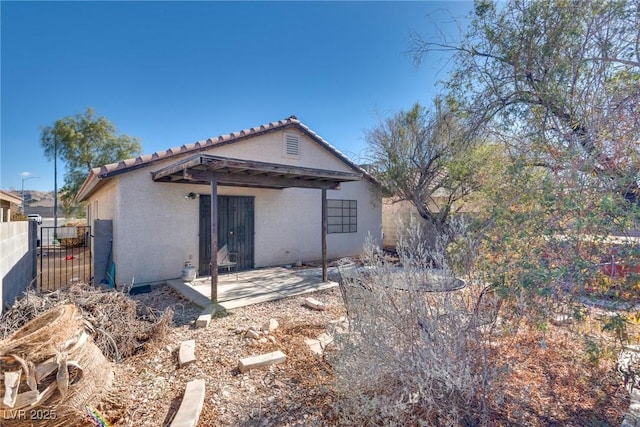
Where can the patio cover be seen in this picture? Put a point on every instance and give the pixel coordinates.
(216, 170)
(200, 168)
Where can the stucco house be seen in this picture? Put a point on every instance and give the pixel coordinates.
(397, 215)
(282, 195)
(7, 200)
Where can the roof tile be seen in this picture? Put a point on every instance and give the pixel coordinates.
(106, 170)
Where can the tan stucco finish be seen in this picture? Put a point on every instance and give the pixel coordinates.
(156, 228)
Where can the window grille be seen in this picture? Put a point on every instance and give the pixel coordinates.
(342, 216)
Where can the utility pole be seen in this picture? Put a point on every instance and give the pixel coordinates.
(25, 176)
(55, 182)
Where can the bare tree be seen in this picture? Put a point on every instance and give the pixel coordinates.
(426, 158)
(560, 81)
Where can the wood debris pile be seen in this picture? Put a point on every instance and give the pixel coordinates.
(51, 370)
(119, 330)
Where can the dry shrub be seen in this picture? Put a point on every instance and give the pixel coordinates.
(416, 354)
(119, 331)
(81, 236)
(310, 374)
(413, 356)
(556, 380)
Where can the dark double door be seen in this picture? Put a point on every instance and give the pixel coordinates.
(235, 229)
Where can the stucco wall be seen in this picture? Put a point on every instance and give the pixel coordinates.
(269, 148)
(157, 228)
(104, 203)
(396, 218)
(288, 224)
(17, 259)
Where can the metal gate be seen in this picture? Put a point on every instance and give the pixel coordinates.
(65, 256)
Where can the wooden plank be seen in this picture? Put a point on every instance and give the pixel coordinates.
(177, 168)
(191, 405)
(265, 180)
(216, 163)
(267, 359)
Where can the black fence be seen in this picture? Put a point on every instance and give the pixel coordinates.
(64, 256)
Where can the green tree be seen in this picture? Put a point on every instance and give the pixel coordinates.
(558, 81)
(85, 141)
(426, 158)
(69, 205)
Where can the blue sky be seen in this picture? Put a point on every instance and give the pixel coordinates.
(172, 73)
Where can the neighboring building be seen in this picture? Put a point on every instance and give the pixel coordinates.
(7, 201)
(269, 206)
(398, 214)
(17, 251)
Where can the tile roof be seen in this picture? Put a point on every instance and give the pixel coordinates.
(106, 171)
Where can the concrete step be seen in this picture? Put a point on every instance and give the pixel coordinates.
(190, 293)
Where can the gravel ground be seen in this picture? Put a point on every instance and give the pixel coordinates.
(149, 386)
(553, 378)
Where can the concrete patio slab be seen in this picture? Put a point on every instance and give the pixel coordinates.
(254, 286)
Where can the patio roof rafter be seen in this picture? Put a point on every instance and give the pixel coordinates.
(231, 171)
(258, 180)
(216, 170)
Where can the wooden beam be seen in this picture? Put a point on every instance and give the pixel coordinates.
(225, 164)
(177, 168)
(214, 240)
(324, 235)
(227, 178)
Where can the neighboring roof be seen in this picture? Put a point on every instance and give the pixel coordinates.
(203, 168)
(97, 175)
(10, 197)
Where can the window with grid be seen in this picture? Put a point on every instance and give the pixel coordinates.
(342, 216)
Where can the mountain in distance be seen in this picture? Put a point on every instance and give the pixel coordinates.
(35, 198)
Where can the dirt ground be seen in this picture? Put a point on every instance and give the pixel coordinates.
(554, 377)
(555, 381)
(59, 267)
(151, 384)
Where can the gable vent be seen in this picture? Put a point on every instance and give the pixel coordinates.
(291, 145)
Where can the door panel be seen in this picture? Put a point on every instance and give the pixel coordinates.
(235, 229)
(204, 268)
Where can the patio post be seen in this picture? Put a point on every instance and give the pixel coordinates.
(324, 235)
(214, 239)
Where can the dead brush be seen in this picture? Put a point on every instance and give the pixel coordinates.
(413, 356)
(119, 331)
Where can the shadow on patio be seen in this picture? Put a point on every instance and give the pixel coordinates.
(255, 286)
